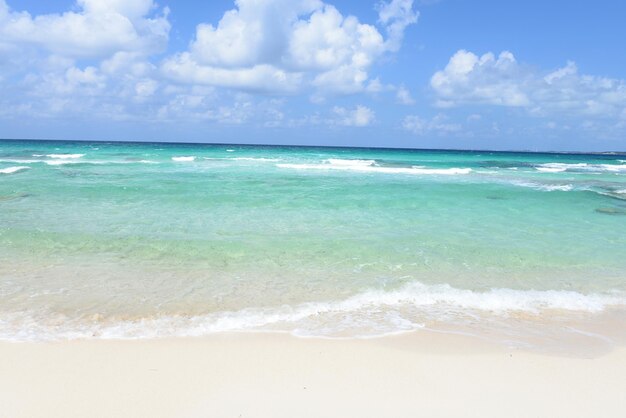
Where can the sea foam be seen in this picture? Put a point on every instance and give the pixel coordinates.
(369, 166)
(370, 313)
(11, 170)
(254, 159)
(545, 187)
(183, 159)
(65, 156)
(581, 167)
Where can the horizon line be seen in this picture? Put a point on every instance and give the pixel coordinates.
(102, 141)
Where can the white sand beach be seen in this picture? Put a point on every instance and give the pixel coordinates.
(273, 375)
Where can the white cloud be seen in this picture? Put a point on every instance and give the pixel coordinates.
(202, 104)
(436, 125)
(92, 60)
(99, 60)
(359, 116)
(502, 81)
(99, 29)
(486, 79)
(263, 77)
(396, 16)
(404, 96)
(285, 45)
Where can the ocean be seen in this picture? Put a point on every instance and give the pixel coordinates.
(146, 240)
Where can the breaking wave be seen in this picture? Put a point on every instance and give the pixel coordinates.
(371, 313)
(371, 166)
(183, 159)
(11, 170)
(65, 156)
(581, 167)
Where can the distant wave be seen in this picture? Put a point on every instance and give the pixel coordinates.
(75, 161)
(257, 159)
(11, 170)
(19, 161)
(65, 156)
(369, 166)
(254, 159)
(350, 163)
(614, 194)
(370, 313)
(581, 167)
(542, 186)
(64, 162)
(97, 162)
(551, 169)
(184, 159)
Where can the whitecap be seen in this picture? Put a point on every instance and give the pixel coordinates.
(260, 159)
(349, 163)
(551, 169)
(183, 159)
(18, 161)
(368, 166)
(62, 162)
(253, 159)
(581, 167)
(65, 156)
(544, 187)
(11, 170)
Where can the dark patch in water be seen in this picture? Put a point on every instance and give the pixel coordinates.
(505, 164)
(611, 211)
(394, 164)
(494, 197)
(15, 196)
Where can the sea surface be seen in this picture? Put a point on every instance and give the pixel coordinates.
(133, 240)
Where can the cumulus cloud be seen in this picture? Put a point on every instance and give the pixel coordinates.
(404, 96)
(101, 59)
(502, 81)
(98, 29)
(438, 125)
(396, 16)
(285, 45)
(93, 60)
(359, 116)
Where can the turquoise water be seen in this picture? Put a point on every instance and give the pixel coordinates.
(143, 240)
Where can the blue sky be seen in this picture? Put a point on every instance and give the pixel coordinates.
(529, 75)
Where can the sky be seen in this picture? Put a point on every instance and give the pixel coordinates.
(525, 75)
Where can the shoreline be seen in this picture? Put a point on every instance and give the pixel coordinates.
(279, 375)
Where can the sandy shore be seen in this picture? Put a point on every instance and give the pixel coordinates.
(269, 375)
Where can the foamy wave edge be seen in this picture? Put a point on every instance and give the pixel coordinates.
(63, 156)
(581, 167)
(369, 166)
(368, 314)
(184, 159)
(11, 170)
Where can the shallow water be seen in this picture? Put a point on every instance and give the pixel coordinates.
(144, 240)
